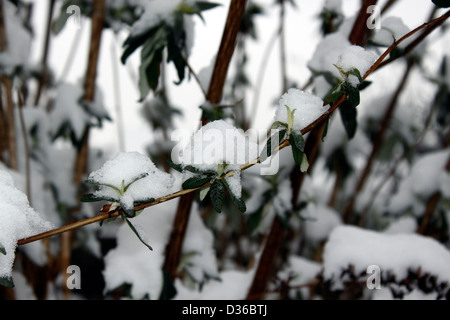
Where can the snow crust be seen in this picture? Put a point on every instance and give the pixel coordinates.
(393, 253)
(218, 142)
(122, 170)
(308, 108)
(356, 57)
(17, 221)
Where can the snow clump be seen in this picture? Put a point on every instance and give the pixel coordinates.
(307, 108)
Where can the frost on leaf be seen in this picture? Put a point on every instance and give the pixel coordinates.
(305, 106)
(17, 221)
(355, 58)
(129, 178)
(213, 151)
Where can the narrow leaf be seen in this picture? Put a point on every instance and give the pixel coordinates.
(334, 95)
(90, 197)
(216, 193)
(96, 183)
(141, 176)
(239, 203)
(203, 193)
(206, 5)
(290, 115)
(278, 124)
(349, 118)
(176, 166)
(7, 282)
(198, 171)
(195, 182)
(304, 164)
(442, 3)
(352, 95)
(297, 154)
(2, 250)
(272, 143)
(298, 140)
(355, 72)
(365, 84)
(137, 233)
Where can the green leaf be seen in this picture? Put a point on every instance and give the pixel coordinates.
(199, 171)
(352, 95)
(365, 84)
(304, 164)
(195, 182)
(7, 282)
(278, 124)
(290, 115)
(239, 203)
(216, 193)
(296, 153)
(149, 72)
(176, 166)
(355, 72)
(133, 42)
(334, 95)
(206, 5)
(442, 3)
(203, 193)
(136, 232)
(298, 140)
(176, 46)
(349, 118)
(270, 147)
(2, 250)
(141, 176)
(96, 183)
(221, 167)
(90, 197)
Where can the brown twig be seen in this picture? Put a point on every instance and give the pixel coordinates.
(44, 68)
(7, 83)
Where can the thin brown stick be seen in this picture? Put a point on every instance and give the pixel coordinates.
(44, 68)
(7, 83)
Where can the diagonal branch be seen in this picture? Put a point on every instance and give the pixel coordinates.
(283, 145)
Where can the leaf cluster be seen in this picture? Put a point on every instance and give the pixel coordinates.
(212, 183)
(162, 36)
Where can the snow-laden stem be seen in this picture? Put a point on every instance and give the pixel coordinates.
(105, 215)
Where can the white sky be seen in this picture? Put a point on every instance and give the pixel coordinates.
(302, 35)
